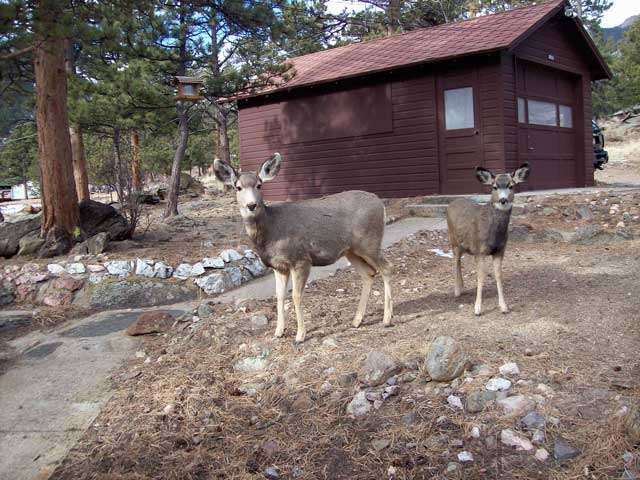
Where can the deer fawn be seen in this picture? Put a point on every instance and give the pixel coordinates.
(291, 237)
(482, 230)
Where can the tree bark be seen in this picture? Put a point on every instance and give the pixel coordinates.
(79, 163)
(174, 182)
(59, 200)
(393, 16)
(222, 134)
(136, 179)
(117, 160)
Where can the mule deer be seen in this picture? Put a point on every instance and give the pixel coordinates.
(291, 237)
(482, 230)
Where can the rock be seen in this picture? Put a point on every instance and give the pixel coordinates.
(625, 233)
(548, 211)
(632, 424)
(12, 231)
(359, 405)
(255, 267)
(586, 234)
(533, 421)
(481, 370)
(476, 401)
(347, 379)
(252, 364)
(55, 269)
(563, 451)
(453, 467)
(510, 368)
(96, 268)
(454, 401)
(95, 278)
(69, 284)
(98, 243)
(475, 432)
(162, 270)
(258, 322)
(169, 409)
(96, 217)
(498, 385)
(329, 343)
(230, 255)
(30, 245)
(205, 310)
(197, 270)
(381, 444)
(516, 405)
(584, 213)
(212, 262)
(130, 294)
(121, 268)
(150, 322)
(390, 391)
(251, 389)
(513, 439)
(541, 455)
(445, 359)
(144, 268)
(76, 269)
(465, 456)
(214, 283)
(57, 242)
(183, 271)
(7, 295)
(538, 437)
(377, 368)
(409, 419)
(272, 473)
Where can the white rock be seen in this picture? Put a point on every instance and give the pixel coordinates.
(230, 255)
(544, 389)
(359, 405)
(162, 270)
(234, 275)
(214, 283)
(141, 354)
(250, 254)
(55, 268)
(197, 269)
(513, 439)
(255, 266)
(212, 262)
(510, 368)
(183, 271)
(96, 278)
(498, 385)
(169, 409)
(455, 401)
(620, 225)
(96, 268)
(465, 457)
(541, 455)
(144, 267)
(475, 432)
(76, 269)
(329, 343)
(516, 405)
(121, 268)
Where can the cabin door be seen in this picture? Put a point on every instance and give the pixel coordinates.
(460, 142)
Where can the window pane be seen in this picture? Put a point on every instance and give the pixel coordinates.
(521, 112)
(458, 108)
(188, 90)
(566, 116)
(542, 113)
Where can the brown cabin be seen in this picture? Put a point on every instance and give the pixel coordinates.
(413, 114)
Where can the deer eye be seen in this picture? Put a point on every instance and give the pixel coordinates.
(510, 187)
(238, 188)
(494, 187)
(259, 186)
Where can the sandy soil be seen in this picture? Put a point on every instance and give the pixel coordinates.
(624, 157)
(573, 328)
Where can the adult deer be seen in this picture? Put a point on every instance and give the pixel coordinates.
(291, 237)
(482, 230)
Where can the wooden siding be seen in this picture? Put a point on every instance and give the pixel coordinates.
(400, 163)
(491, 116)
(557, 38)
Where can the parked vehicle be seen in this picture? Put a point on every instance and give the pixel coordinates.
(600, 155)
(5, 193)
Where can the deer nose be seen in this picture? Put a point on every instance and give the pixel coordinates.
(504, 201)
(252, 206)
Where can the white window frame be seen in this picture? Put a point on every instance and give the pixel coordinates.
(460, 122)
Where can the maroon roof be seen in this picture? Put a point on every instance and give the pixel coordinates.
(478, 35)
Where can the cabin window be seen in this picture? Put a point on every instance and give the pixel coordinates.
(522, 114)
(458, 108)
(566, 116)
(542, 113)
(188, 90)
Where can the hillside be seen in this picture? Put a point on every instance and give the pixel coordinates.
(617, 33)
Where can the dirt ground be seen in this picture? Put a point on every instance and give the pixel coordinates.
(573, 330)
(623, 146)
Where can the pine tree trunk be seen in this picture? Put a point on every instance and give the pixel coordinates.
(136, 180)
(26, 190)
(222, 134)
(174, 181)
(79, 163)
(60, 211)
(117, 160)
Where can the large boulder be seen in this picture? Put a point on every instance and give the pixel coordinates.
(151, 322)
(446, 359)
(377, 368)
(96, 217)
(30, 245)
(12, 230)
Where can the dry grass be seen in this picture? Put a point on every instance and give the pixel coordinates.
(573, 327)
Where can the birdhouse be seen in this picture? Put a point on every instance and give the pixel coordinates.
(189, 89)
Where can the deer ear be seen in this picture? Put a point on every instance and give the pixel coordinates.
(225, 172)
(484, 176)
(521, 174)
(270, 168)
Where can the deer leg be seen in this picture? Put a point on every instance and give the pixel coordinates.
(385, 271)
(282, 280)
(480, 273)
(299, 277)
(457, 272)
(497, 269)
(367, 273)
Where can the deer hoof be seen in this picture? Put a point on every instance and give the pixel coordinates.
(300, 337)
(279, 334)
(477, 311)
(357, 322)
(504, 309)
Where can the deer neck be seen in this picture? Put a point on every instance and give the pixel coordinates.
(257, 228)
(498, 228)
